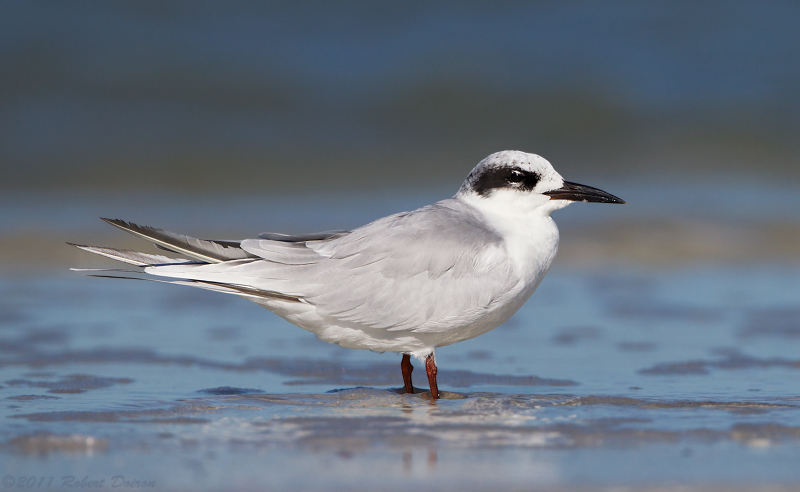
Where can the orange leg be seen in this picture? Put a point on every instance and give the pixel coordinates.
(430, 367)
(406, 367)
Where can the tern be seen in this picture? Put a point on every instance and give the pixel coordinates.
(406, 283)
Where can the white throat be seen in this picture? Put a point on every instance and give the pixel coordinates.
(523, 221)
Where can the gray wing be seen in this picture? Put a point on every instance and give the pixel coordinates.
(424, 270)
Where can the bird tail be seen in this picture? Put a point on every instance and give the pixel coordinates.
(199, 252)
(205, 250)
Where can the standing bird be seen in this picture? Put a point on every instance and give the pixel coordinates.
(406, 283)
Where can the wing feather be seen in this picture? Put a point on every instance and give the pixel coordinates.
(428, 270)
(199, 249)
(301, 238)
(386, 274)
(287, 253)
(129, 256)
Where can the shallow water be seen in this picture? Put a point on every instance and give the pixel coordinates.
(647, 358)
(606, 377)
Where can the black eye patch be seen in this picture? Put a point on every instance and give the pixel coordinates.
(504, 177)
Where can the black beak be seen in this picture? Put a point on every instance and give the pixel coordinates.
(575, 192)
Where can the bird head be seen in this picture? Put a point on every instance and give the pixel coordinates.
(515, 178)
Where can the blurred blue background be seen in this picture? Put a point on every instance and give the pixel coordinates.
(674, 319)
(260, 96)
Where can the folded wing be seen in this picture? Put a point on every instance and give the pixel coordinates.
(426, 270)
(387, 273)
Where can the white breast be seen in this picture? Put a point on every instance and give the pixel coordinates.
(529, 233)
(530, 240)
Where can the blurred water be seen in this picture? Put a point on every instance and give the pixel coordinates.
(691, 376)
(615, 373)
(660, 352)
(185, 95)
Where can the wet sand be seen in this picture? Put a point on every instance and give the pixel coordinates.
(678, 375)
(645, 384)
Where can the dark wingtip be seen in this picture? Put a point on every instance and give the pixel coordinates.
(129, 226)
(114, 222)
(115, 276)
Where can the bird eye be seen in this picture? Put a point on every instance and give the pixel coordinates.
(516, 176)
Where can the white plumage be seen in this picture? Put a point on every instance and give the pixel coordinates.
(409, 282)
